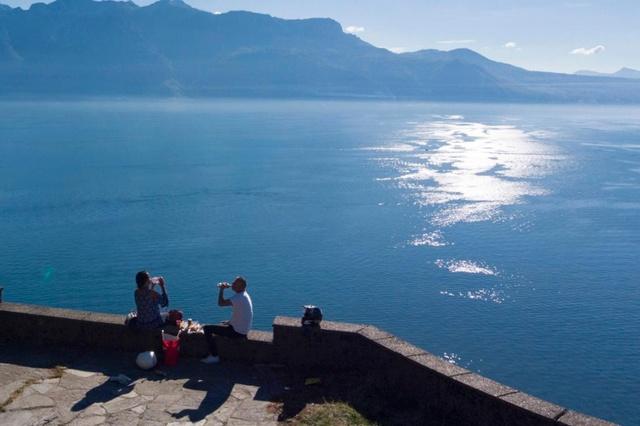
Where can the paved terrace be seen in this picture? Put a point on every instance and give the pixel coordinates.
(60, 387)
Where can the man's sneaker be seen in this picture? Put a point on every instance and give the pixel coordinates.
(211, 359)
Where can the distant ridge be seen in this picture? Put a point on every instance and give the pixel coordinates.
(621, 73)
(89, 48)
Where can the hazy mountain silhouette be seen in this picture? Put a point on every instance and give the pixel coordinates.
(621, 73)
(82, 47)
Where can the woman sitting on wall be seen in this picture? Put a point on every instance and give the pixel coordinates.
(149, 301)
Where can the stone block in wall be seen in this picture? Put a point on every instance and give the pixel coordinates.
(438, 365)
(193, 345)
(492, 403)
(572, 418)
(39, 326)
(374, 333)
(389, 353)
(524, 405)
(109, 331)
(332, 346)
(416, 374)
(257, 348)
(52, 326)
(484, 384)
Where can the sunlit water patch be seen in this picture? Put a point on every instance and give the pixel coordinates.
(452, 358)
(432, 239)
(468, 171)
(448, 117)
(482, 294)
(457, 171)
(466, 267)
(494, 293)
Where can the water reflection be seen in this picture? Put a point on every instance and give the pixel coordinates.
(483, 294)
(433, 239)
(461, 171)
(470, 171)
(466, 267)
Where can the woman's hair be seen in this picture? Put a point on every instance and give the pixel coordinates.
(142, 278)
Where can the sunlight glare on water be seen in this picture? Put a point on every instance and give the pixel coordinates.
(462, 171)
(465, 266)
(470, 170)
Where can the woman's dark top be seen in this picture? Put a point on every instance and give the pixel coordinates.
(148, 304)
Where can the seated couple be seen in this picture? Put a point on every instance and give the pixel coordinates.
(149, 301)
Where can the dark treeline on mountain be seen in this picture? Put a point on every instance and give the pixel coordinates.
(83, 47)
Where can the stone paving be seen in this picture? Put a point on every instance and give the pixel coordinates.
(73, 388)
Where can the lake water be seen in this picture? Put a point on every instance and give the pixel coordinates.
(504, 238)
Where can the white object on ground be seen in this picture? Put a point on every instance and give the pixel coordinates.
(146, 360)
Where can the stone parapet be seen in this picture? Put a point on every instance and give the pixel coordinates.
(450, 392)
(45, 326)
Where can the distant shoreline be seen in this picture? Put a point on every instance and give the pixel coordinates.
(35, 98)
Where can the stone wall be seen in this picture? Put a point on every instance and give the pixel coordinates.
(41, 325)
(457, 395)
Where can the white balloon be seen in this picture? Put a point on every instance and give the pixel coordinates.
(146, 360)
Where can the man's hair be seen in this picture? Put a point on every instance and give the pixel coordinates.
(141, 278)
(242, 281)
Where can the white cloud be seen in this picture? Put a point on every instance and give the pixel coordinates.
(510, 45)
(352, 29)
(456, 41)
(398, 49)
(588, 51)
(217, 12)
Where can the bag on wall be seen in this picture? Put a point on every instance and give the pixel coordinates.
(131, 319)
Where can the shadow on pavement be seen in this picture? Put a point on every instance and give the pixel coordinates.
(204, 388)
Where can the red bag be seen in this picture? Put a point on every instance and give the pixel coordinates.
(171, 347)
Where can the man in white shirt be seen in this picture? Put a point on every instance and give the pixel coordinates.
(241, 317)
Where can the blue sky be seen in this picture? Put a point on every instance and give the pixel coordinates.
(548, 35)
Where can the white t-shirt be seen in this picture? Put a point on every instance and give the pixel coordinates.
(242, 315)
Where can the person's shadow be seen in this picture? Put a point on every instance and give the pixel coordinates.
(105, 392)
(213, 399)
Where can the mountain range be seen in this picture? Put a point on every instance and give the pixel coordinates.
(116, 48)
(621, 73)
